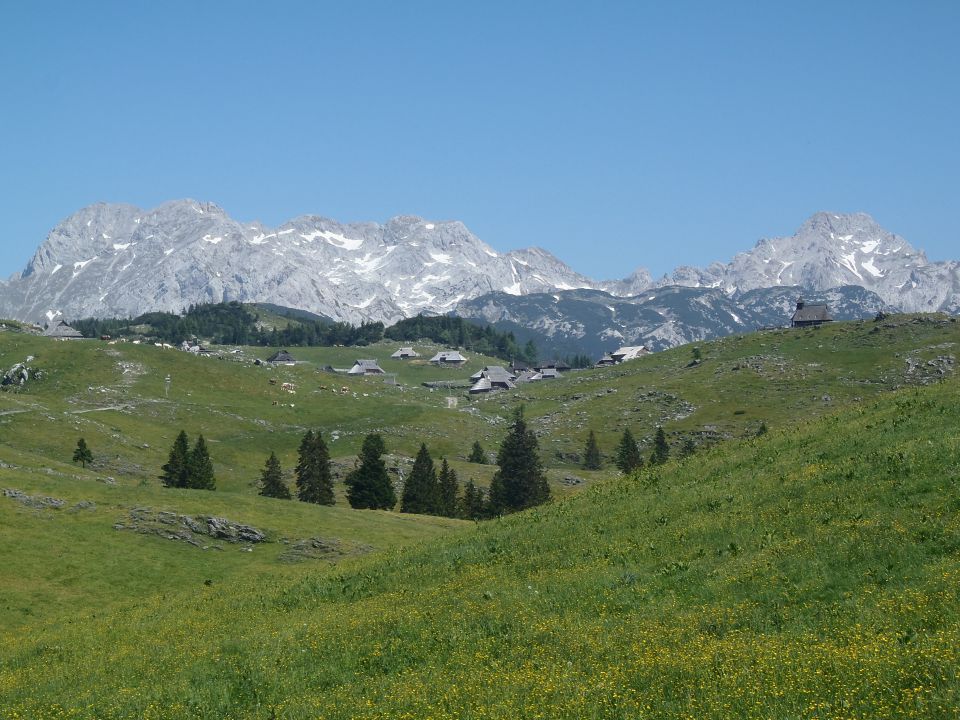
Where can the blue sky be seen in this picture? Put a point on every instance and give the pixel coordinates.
(614, 134)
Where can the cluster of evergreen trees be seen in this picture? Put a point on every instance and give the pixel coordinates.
(579, 361)
(232, 323)
(188, 468)
(457, 332)
(628, 456)
(429, 493)
(519, 483)
(314, 478)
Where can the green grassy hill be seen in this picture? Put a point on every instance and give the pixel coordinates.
(808, 573)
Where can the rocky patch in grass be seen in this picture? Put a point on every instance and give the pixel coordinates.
(318, 548)
(924, 372)
(37, 502)
(196, 531)
(43, 502)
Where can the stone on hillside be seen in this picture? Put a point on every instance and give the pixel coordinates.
(38, 502)
(188, 529)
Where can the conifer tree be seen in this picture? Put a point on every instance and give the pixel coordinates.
(420, 491)
(314, 478)
(82, 454)
(661, 450)
(448, 489)
(591, 453)
(176, 472)
(520, 482)
(628, 453)
(200, 467)
(271, 480)
(477, 455)
(368, 484)
(472, 505)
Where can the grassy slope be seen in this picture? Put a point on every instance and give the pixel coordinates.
(781, 375)
(73, 561)
(810, 573)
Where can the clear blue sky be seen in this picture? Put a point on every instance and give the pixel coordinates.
(614, 134)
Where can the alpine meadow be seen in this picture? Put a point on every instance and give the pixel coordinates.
(765, 525)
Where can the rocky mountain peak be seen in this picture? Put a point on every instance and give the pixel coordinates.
(120, 260)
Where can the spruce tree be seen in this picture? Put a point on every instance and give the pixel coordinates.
(82, 454)
(314, 478)
(176, 472)
(448, 489)
(628, 453)
(420, 491)
(368, 484)
(520, 482)
(200, 468)
(271, 480)
(661, 450)
(477, 455)
(472, 505)
(591, 453)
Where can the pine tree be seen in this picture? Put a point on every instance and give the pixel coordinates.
(314, 478)
(591, 453)
(420, 491)
(176, 472)
(271, 480)
(448, 489)
(530, 352)
(368, 484)
(661, 450)
(477, 455)
(520, 482)
(472, 506)
(688, 448)
(82, 454)
(628, 453)
(200, 467)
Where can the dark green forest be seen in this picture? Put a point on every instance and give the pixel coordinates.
(230, 323)
(457, 332)
(233, 323)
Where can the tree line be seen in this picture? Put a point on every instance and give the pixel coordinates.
(519, 482)
(233, 323)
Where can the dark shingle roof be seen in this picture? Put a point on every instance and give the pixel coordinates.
(817, 312)
(281, 356)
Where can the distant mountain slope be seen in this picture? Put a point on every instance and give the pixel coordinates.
(830, 251)
(594, 321)
(118, 260)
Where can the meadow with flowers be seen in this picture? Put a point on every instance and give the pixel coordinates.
(810, 572)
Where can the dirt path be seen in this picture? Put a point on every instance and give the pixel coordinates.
(99, 409)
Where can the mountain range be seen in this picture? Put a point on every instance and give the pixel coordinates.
(114, 260)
